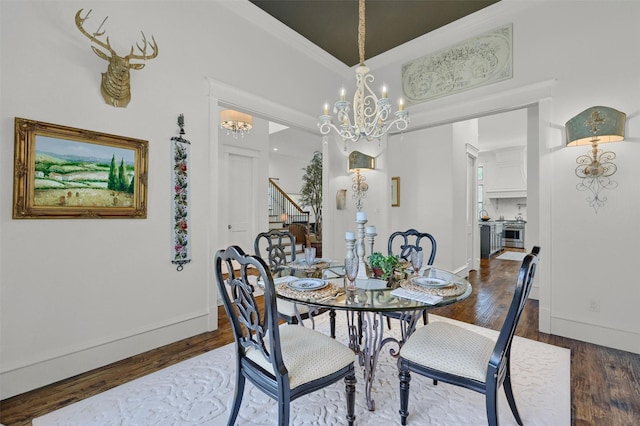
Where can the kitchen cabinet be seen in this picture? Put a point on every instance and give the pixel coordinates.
(506, 173)
(491, 241)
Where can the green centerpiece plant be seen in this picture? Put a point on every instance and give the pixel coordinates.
(388, 266)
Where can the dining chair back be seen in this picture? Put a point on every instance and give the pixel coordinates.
(402, 243)
(285, 362)
(279, 247)
(452, 354)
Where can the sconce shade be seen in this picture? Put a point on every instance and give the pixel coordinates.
(602, 123)
(359, 161)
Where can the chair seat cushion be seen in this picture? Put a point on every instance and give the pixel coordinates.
(446, 347)
(287, 308)
(307, 354)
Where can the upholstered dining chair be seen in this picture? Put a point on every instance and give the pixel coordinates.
(280, 248)
(285, 362)
(403, 243)
(456, 355)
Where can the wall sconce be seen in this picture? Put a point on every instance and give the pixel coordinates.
(594, 126)
(235, 122)
(341, 199)
(357, 163)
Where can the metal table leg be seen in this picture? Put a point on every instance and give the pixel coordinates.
(369, 347)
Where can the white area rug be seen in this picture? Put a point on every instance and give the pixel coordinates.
(199, 391)
(512, 255)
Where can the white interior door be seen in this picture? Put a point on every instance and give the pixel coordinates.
(240, 201)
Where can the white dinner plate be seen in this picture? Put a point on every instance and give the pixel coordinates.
(430, 282)
(308, 284)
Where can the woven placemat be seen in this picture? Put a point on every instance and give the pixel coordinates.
(328, 291)
(453, 289)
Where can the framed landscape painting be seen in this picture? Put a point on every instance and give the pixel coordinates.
(63, 172)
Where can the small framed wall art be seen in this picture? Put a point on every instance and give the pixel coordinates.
(65, 173)
(395, 191)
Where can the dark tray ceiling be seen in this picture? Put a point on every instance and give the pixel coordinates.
(333, 25)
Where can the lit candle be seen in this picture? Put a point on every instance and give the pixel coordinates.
(350, 235)
(326, 109)
(342, 94)
(371, 229)
(384, 91)
(401, 105)
(361, 216)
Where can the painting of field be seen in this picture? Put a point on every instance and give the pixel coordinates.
(81, 174)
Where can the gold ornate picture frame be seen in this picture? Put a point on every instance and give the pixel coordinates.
(395, 191)
(65, 173)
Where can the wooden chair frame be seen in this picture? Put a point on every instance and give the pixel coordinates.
(499, 367)
(411, 241)
(254, 331)
(277, 256)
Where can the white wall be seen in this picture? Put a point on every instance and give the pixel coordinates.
(422, 160)
(78, 294)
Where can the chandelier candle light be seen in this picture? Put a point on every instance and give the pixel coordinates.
(370, 113)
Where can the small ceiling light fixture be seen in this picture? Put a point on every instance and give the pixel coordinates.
(370, 114)
(235, 122)
(357, 163)
(594, 126)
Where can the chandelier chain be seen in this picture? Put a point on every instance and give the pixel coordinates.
(361, 30)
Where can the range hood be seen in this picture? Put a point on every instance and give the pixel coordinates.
(506, 193)
(507, 176)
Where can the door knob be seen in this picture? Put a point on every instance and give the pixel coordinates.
(228, 226)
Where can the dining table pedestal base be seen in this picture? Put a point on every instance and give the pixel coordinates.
(366, 339)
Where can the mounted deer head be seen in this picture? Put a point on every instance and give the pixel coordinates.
(115, 82)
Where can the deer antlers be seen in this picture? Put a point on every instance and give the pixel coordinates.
(115, 82)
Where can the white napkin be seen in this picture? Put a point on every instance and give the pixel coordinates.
(416, 295)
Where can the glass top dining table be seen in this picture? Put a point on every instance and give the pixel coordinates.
(366, 306)
(373, 294)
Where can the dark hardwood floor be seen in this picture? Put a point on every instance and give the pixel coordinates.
(605, 383)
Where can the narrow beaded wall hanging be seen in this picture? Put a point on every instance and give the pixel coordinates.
(181, 251)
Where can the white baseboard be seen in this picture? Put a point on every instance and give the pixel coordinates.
(604, 336)
(37, 374)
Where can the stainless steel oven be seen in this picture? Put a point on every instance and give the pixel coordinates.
(513, 234)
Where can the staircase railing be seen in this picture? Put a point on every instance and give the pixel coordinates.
(283, 207)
